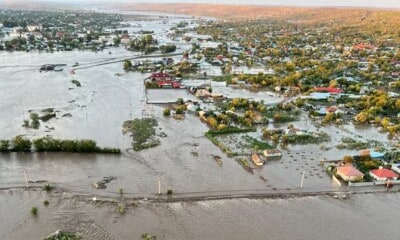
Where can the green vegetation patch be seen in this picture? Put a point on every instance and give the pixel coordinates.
(34, 211)
(35, 124)
(4, 146)
(143, 133)
(49, 144)
(21, 144)
(234, 145)
(147, 236)
(223, 78)
(76, 82)
(315, 138)
(63, 236)
(257, 144)
(229, 130)
(351, 144)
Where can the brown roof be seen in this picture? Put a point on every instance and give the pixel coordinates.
(350, 171)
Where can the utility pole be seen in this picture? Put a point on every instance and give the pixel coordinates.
(159, 185)
(26, 179)
(302, 179)
(237, 3)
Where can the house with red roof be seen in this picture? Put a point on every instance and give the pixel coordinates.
(163, 80)
(383, 174)
(330, 90)
(363, 46)
(160, 76)
(349, 173)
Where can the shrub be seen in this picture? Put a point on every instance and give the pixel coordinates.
(26, 123)
(48, 187)
(35, 120)
(147, 236)
(180, 110)
(34, 211)
(167, 112)
(169, 192)
(127, 65)
(46, 203)
(167, 48)
(4, 145)
(77, 83)
(121, 210)
(21, 144)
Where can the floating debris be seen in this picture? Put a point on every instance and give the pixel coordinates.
(102, 184)
(218, 159)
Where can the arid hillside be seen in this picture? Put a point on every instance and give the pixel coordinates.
(375, 20)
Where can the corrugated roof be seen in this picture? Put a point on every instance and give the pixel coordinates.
(350, 171)
(384, 173)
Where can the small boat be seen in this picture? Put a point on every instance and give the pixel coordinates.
(257, 159)
(58, 69)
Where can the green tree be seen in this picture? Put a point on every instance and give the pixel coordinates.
(4, 145)
(290, 66)
(166, 112)
(21, 144)
(117, 41)
(127, 65)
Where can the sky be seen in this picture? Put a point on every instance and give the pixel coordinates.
(358, 3)
(333, 3)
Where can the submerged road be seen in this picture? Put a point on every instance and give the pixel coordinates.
(89, 65)
(339, 192)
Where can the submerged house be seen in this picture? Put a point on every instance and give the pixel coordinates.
(383, 174)
(273, 153)
(163, 80)
(349, 173)
(160, 76)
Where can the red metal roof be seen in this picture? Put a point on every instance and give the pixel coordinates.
(327, 89)
(362, 46)
(384, 173)
(160, 74)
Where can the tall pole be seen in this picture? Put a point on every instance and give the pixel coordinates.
(302, 179)
(237, 3)
(26, 179)
(159, 185)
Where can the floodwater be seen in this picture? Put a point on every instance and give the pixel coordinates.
(97, 110)
(184, 162)
(359, 217)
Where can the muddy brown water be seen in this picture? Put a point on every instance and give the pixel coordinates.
(314, 218)
(99, 108)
